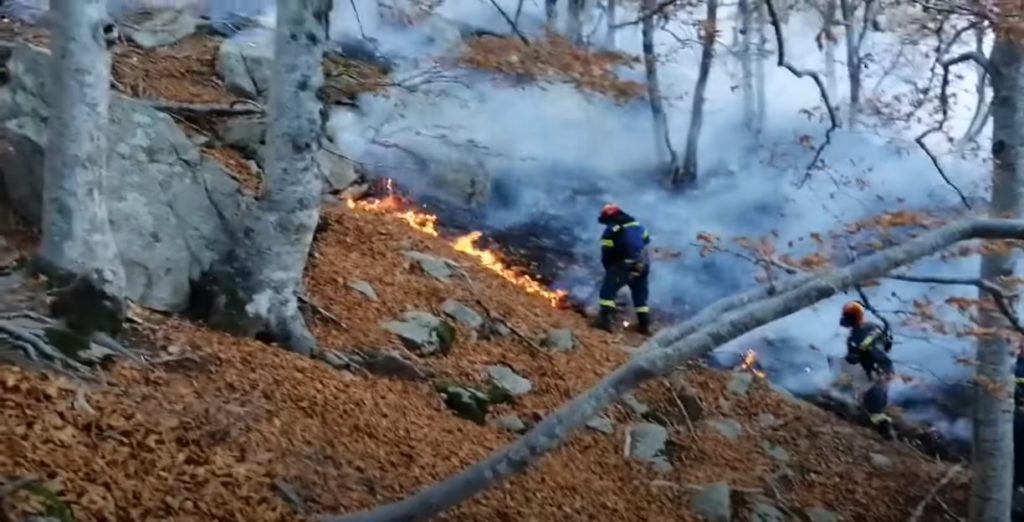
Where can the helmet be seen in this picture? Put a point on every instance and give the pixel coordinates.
(608, 211)
(853, 314)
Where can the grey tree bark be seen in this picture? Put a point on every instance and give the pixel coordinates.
(855, 33)
(574, 25)
(664, 150)
(713, 327)
(992, 448)
(759, 79)
(688, 175)
(828, 22)
(261, 277)
(77, 243)
(551, 15)
(746, 62)
(611, 12)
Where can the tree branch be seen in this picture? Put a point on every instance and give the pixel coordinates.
(783, 62)
(919, 510)
(658, 9)
(999, 295)
(511, 23)
(647, 364)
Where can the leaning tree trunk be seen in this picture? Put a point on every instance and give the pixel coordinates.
(610, 42)
(849, 13)
(992, 487)
(759, 79)
(664, 151)
(264, 272)
(668, 350)
(574, 26)
(746, 63)
(77, 243)
(688, 175)
(829, 43)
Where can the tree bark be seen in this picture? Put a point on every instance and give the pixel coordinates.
(264, 272)
(735, 316)
(77, 242)
(759, 78)
(610, 40)
(746, 63)
(828, 22)
(849, 15)
(551, 16)
(574, 26)
(688, 175)
(992, 487)
(664, 151)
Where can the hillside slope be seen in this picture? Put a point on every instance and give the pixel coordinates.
(223, 425)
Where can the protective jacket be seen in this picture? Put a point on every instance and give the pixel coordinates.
(624, 241)
(868, 345)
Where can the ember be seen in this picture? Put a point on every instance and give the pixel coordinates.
(394, 204)
(749, 364)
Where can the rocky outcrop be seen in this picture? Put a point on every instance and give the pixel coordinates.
(171, 209)
(159, 27)
(423, 333)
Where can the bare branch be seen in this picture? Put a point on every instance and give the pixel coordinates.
(919, 510)
(780, 43)
(999, 294)
(658, 9)
(650, 363)
(511, 22)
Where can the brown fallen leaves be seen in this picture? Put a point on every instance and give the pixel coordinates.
(552, 59)
(217, 430)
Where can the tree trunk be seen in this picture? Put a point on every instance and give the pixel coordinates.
(759, 79)
(992, 487)
(574, 26)
(551, 16)
(746, 63)
(828, 24)
(610, 42)
(733, 317)
(849, 15)
(982, 109)
(77, 241)
(688, 175)
(664, 151)
(265, 270)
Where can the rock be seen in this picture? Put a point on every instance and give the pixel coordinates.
(739, 383)
(511, 423)
(880, 461)
(509, 381)
(602, 425)
(767, 420)
(713, 502)
(380, 363)
(638, 408)
(364, 288)
(423, 333)
(244, 62)
(776, 452)
(763, 511)
(172, 211)
(822, 515)
(158, 27)
(728, 428)
(466, 402)
(562, 340)
(339, 173)
(436, 267)
(462, 314)
(647, 442)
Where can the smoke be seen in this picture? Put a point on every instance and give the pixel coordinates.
(540, 151)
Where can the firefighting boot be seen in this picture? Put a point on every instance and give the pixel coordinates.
(643, 323)
(883, 425)
(604, 319)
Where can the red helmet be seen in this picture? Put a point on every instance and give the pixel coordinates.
(610, 210)
(853, 314)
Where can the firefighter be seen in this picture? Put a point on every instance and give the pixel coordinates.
(1018, 422)
(626, 263)
(868, 345)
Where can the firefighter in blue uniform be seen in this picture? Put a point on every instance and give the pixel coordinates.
(1018, 423)
(626, 262)
(868, 345)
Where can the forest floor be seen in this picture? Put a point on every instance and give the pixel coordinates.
(221, 428)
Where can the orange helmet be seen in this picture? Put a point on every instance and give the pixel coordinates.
(610, 210)
(853, 314)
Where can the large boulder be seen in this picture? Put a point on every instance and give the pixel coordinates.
(170, 208)
(245, 61)
(158, 27)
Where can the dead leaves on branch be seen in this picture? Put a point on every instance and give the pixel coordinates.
(553, 59)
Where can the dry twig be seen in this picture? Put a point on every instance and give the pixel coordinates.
(919, 510)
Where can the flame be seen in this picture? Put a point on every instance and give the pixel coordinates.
(749, 362)
(467, 245)
(395, 205)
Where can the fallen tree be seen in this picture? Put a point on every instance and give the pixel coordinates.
(717, 325)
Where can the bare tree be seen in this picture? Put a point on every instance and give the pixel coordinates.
(611, 16)
(855, 34)
(759, 78)
(77, 243)
(662, 140)
(688, 175)
(574, 25)
(992, 487)
(827, 43)
(714, 326)
(551, 15)
(746, 62)
(260, 279)
(982, 109)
